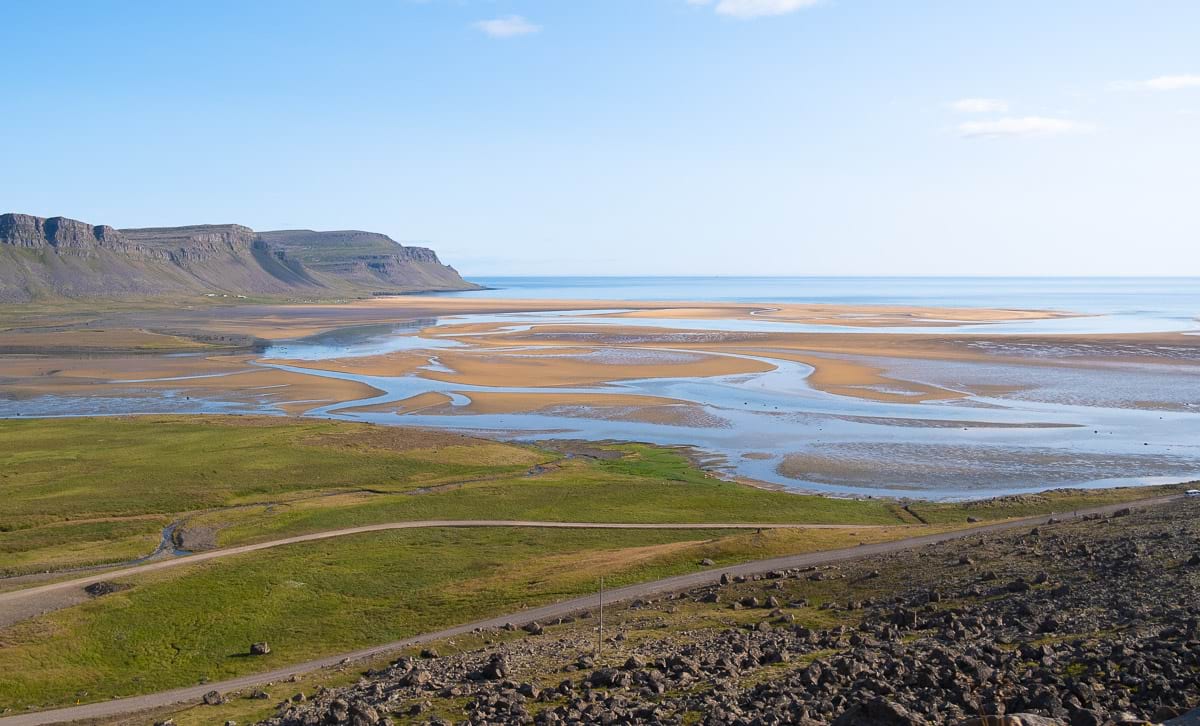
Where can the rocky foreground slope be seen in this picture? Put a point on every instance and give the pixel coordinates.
(1083, 623)
(55, 258)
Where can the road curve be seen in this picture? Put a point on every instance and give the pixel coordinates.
(121, 706)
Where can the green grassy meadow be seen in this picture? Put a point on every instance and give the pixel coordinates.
(100, 490)
(88, 491)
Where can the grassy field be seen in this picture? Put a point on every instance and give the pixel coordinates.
(253, 478)
(178, 627)
(647, 484)
(62, 469)
(61, 476)
(69, 544)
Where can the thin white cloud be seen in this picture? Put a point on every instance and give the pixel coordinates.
(1168, 83)
(1022, 126)
(979, 105)
(746, 9)
(507, 27)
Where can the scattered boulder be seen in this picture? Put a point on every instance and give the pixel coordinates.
(1016, 719)
(878, 712)
(103, 587)
(496, 668)
(214, 698)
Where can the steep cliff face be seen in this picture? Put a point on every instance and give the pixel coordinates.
(60, 257)
(63, 235)
(197, 243)
(373, 261)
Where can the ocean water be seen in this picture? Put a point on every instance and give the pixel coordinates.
(1176, 296)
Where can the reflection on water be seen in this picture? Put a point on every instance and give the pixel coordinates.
(359, 341)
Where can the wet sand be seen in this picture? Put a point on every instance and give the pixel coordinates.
(391, 364)
(867, 316)
(227, 378)
(607, 406)
(113, 327)
(88, 339)
(301, 320)
(412, 404)
(610, 406)
(557, 355)
(837, 358)
(579, 367)
(903, 463)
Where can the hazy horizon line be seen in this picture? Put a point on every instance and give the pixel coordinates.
(978, 276)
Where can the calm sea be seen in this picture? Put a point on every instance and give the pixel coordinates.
(1161, 296)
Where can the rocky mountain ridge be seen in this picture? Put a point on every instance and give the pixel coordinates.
(56, 257)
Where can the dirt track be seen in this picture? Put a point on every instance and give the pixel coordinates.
(18, 605)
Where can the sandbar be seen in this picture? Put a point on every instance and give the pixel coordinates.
(221, 378)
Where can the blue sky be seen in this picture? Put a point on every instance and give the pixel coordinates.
(629, 136)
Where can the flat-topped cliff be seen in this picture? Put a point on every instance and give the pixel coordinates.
(367, 258)
(57, 257)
